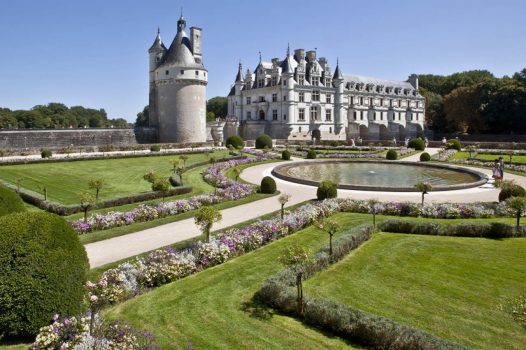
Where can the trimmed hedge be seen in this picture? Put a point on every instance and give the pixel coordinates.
(155, 148)
(10, 202)
(175, 181)
(263, 141)
(425, 157)
(454, 144)
(268, 185)
(327, 189)
(417, 144)
(512, 190)
(391, 155)
(311, 154)
(46, 153)
(235, 141)
(43, 272)
(285, 155)
(464, 229)
(373, 331)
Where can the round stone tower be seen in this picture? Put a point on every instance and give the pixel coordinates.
(178, 82)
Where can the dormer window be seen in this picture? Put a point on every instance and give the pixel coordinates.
(328, 82)
(261, 83)
(315, 81)
(301, 80)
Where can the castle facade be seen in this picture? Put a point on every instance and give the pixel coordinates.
(300, 98)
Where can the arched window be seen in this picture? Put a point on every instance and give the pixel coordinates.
(261, 115)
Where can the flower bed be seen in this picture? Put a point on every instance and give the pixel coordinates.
(228, 189)
(489, 164)
(444, 155)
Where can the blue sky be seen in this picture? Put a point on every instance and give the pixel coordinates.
(94, 53)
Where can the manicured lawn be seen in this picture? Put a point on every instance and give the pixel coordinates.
(65, 181)
(448, 286)
(213, 309)
(482, 156)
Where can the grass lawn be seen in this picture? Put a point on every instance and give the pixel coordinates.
(65, 181)
(483, 156)
(448, 286)
(213, 309)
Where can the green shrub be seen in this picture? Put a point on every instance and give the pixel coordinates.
(155, 148)
(327, 189)
(43, 272)
(334, 144)
(235, 141)
(285, 155)
(417, 143)
(175, 181)
(10, 202)
(311, 154)
(512, 190)
(268, 185)
(391, 155)
(46, 153)
(453, 144)
(263, 141)
(425, 157)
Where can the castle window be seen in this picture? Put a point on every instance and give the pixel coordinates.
(284, 83)
(328, 82)
(390, 103)
(284, 97)
(381, 102)
(315, 95)
(354, 115)
(284, 117)
(300, 128)
(330, 130)
(167, 72)
(315, 81)
(249, 115)
(301, 96)
(261, 115)
(182, 71)
(261, 98)
(274, 81)
(361, 115)
(301, 114)
(274, 97)
(361, 101)
(328, 98)
(301, 79)
(204, 74)
(328, 115)
(314, 113)
(274, 114)
(261, 83)
(249, 100)
(196, 73)
(352, 100)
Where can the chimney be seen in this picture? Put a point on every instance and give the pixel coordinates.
(195, 36)
(311, 56)
(299, 54)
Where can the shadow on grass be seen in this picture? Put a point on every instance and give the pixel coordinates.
(256, 309)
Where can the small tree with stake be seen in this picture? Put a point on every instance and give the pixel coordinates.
(180, 171)
(330, 227)
(206, 216)
(175, 163)
(184, 158)
(424, 188)
(236, 171)
(283, 199)
(87, 201)
(44, 190)
(97, 185)
(161, 185)
(296, 258)
(519, 205)
(373, 209)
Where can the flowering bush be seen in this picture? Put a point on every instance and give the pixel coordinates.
(444, 155)
(74, 333)
(228, 190)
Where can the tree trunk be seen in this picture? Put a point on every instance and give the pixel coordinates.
(423, 198)
(86, 215)
(300, 293)
(91, 321)
(282, 211)
(374, 221)
(518, 219)
(97, 195)
(330, 245)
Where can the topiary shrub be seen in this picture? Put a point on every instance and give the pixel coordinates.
(334, 144)
(10, 202)
(174, 181)
(285, 155)
(46, 153)
(425, 157)
(391, 155)
(43, 272)
(417, 144)
(311, 154)
(268, 185)
(263, 141)
(512, 190)
(155, 148)
(235, 141)
(327, 189)
(453, 144)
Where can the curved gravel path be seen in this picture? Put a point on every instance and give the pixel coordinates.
(118, 248)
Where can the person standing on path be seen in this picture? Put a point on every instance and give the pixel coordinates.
(501, 167)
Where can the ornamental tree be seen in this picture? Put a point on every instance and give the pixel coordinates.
(175, 163)
(424, 188)
(283, 199)
(97, 185)
(180, 171)
(296, 258)
(373, 209)
(519, 205)
(87, 201)
(330, 227)
(206, 217)
(161, 185)
(236, 172)
(184, 158)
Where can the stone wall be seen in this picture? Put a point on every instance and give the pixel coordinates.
(60, 138)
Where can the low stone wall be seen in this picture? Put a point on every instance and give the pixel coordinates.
(60, 138)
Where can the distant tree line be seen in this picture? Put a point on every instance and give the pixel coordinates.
(216, 107)
(58, 115)
(475, 102)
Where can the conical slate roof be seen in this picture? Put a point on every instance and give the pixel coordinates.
(337, 73)
(239, 76)
(180, 51)
(158, 43)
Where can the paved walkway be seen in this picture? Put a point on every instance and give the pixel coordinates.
(118, 248)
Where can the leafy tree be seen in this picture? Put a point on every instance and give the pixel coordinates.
(206, 216)
(150, 176)
(87, 201)
(297, 258)
(210, 116)
(175, 163)
(97, 185)
(161, 185)
(143, 118)
(236, 171)
(519, 205)
(462, 107)
(180, 171)
(283, 199)
(424, 188)
(184, 158)
(435, 115)
(8, 121)
(218, 106)
(330, 227)
(373, 204)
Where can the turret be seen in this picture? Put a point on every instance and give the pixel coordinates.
(238, 86)
(287, 73)
(156, 53)
(337, 81)
(413, 80)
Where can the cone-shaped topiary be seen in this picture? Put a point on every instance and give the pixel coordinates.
(263, 141)
(391, 155)
(235, 141)
(417, 144)
(268, 185)
(10, 202)
(327, 189)
(43, 272)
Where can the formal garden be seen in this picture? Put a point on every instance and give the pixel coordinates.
(328, 272)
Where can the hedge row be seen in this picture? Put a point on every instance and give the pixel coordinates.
(350, 323)
(463, 229)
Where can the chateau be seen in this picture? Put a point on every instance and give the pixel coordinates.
(178, 82)
(300, 98)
